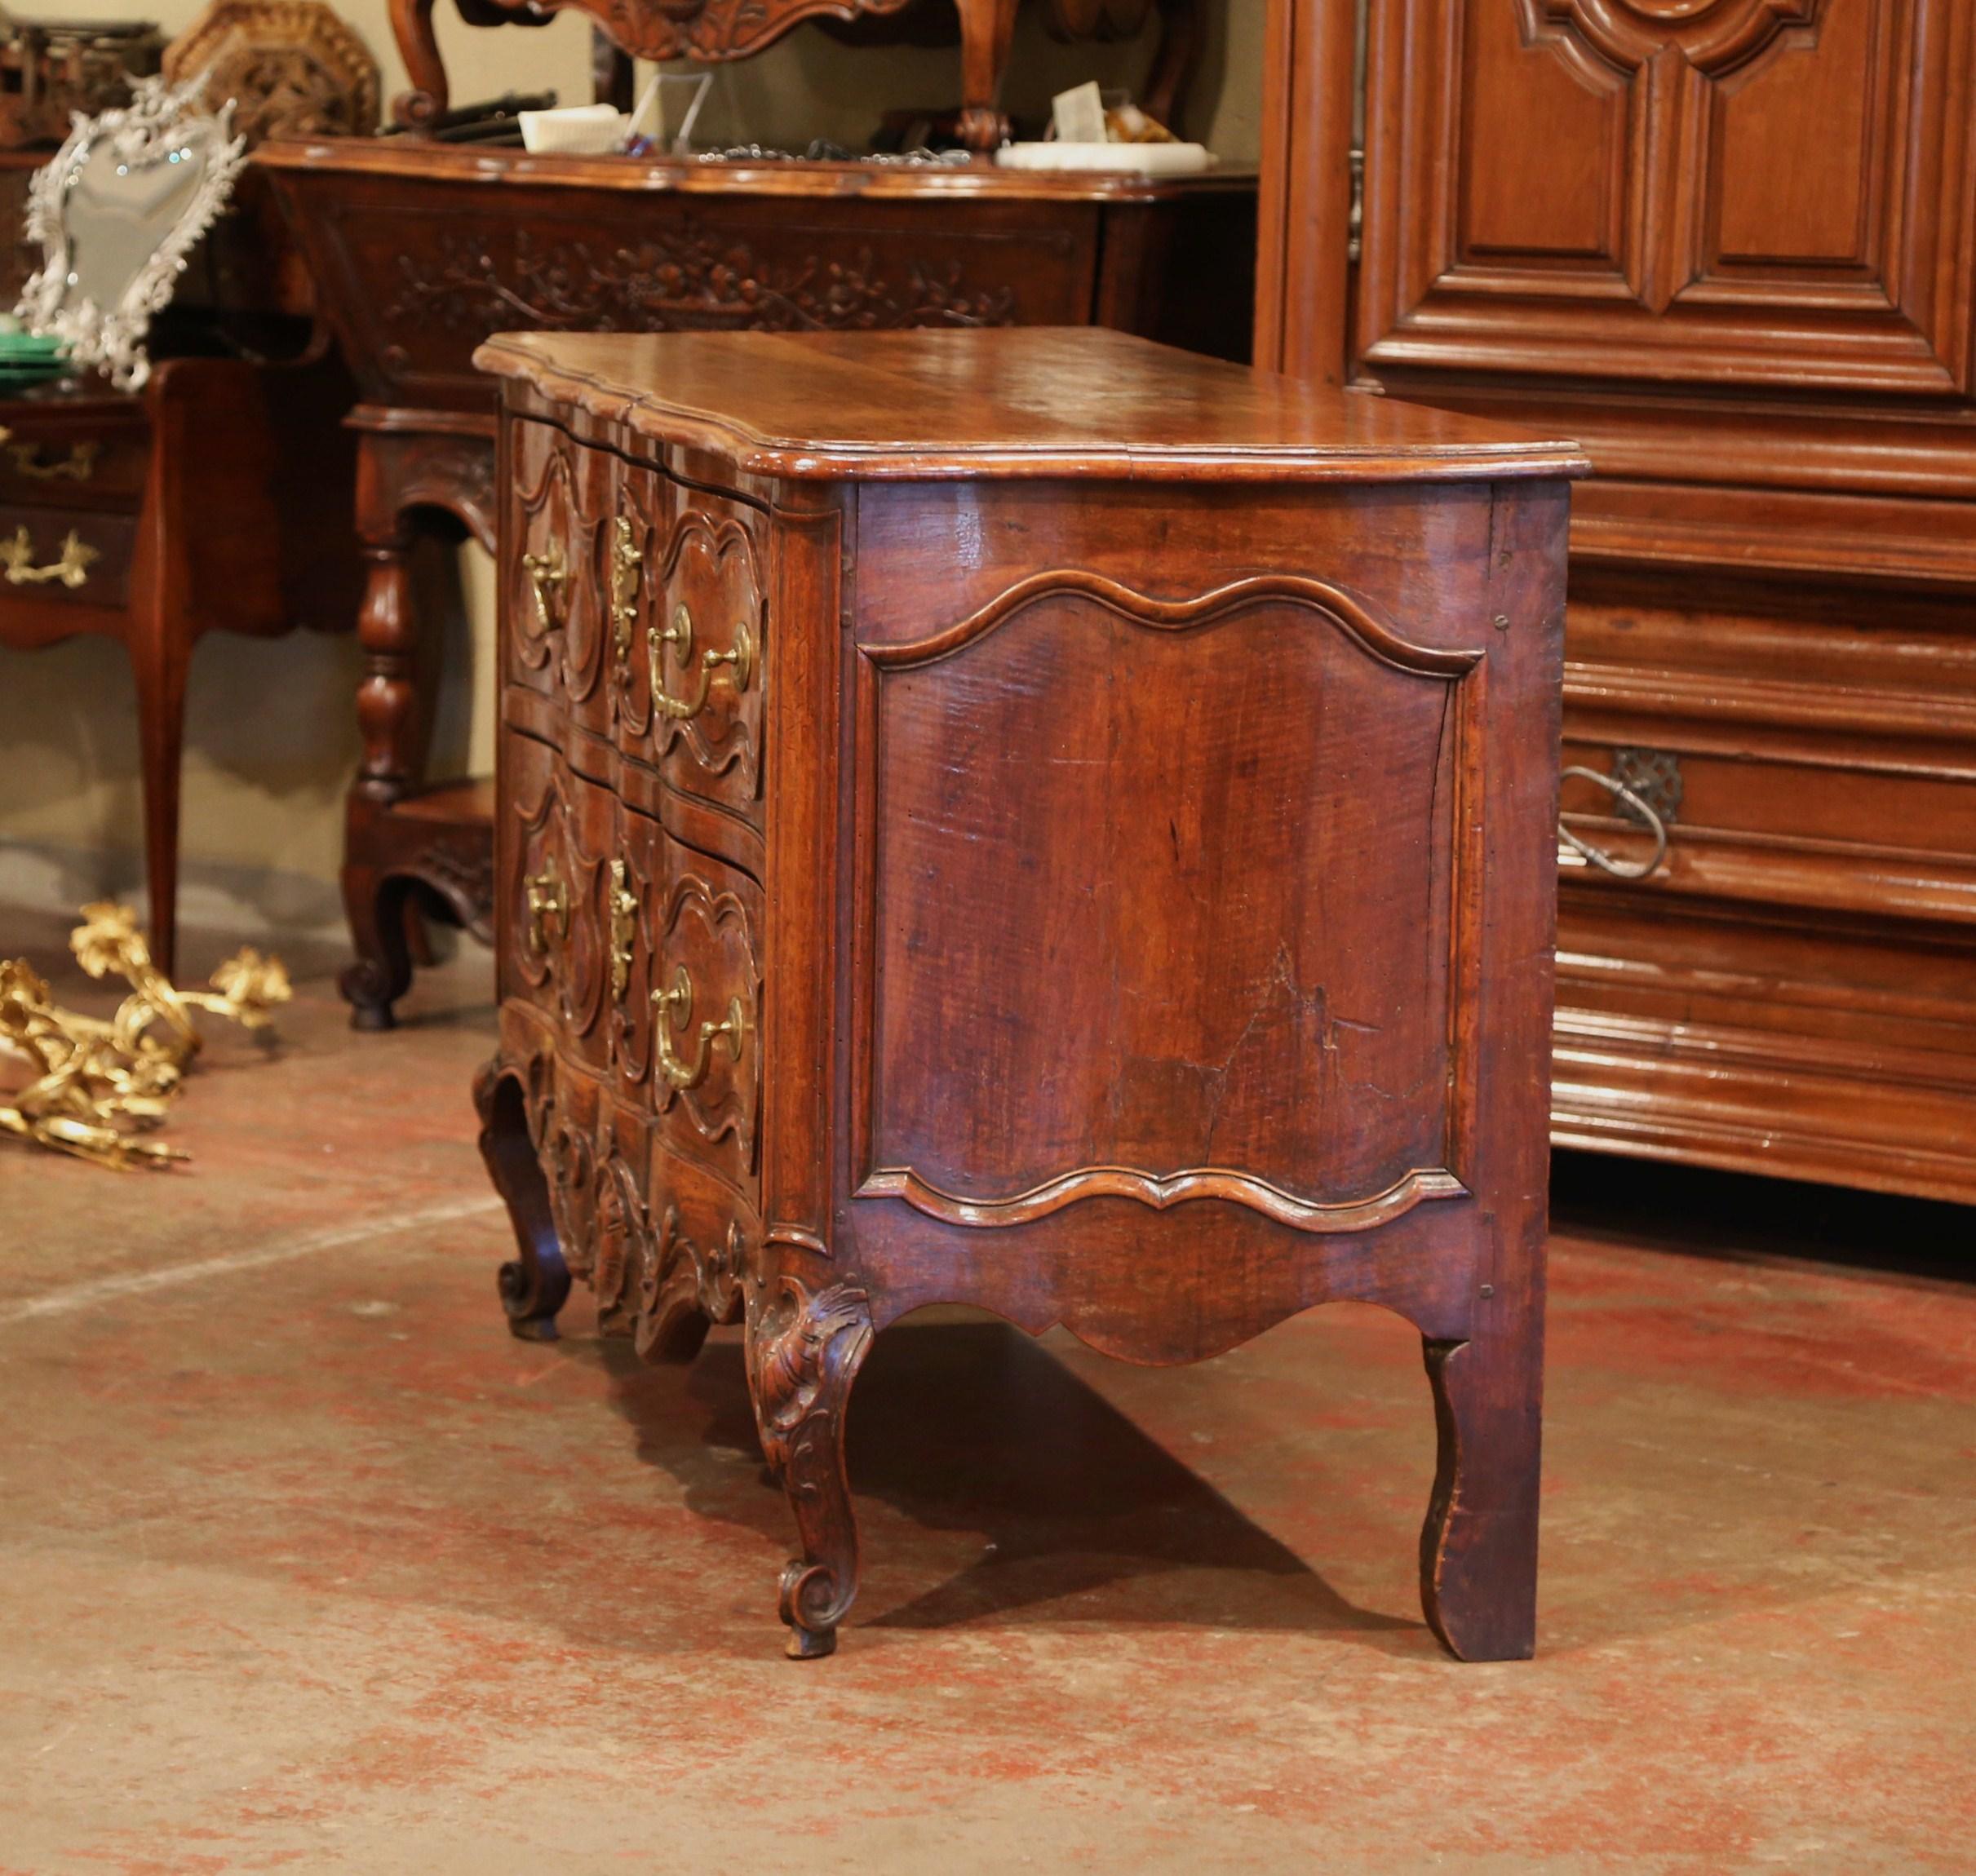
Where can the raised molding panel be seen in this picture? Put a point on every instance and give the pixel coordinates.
(980, 903)
(1741, 192)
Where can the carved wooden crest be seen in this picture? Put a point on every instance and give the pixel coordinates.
(1711, 35)
(294, 68)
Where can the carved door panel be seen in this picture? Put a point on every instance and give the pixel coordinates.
(1710, 192)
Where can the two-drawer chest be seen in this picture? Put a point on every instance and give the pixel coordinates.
(1036, 820)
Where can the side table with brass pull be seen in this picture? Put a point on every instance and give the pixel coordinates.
(1032, 819)
(215, 499)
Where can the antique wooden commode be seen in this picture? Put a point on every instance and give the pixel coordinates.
(1033, 819)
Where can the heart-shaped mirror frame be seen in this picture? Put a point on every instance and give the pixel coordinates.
(162, 124)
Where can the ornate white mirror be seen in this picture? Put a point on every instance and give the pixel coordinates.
(115, 215)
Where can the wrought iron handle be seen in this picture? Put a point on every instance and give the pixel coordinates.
(740, 655)
(78, 465)
(623, 928)
(626, 575)
(1598, 855)
(675, 1009)
(17, 556)
(546, 573)
(549, 908)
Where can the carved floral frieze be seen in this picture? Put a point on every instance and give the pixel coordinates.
(690, 279)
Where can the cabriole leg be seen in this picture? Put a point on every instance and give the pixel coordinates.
(1478, 1548)
(536, 1284)
(803, 1352)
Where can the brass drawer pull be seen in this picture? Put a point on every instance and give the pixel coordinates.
(623, 928)
(626, 574)
(78, 465)
(71, 569)
(679, 636)
(675, 1008)
(546, 573)
(549, 908)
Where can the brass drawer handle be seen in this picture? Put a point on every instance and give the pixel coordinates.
(679, 636)
(626, 575)
(548, 908)
(623, 928)
(546, 573)
(675, 1008)
(71, 569)
(78, 465)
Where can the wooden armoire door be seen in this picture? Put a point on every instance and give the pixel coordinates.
(1728, 244)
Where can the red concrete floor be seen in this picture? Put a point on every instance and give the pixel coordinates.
(310, 1567)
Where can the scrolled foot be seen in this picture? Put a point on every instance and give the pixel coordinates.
(982, 128)
(811, 1605)
(381, 970)
(366, 990)
(532, 1297)
(534, 1286)
(804, 1350)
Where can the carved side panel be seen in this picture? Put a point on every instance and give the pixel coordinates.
(1167, 900)
(1725, 191)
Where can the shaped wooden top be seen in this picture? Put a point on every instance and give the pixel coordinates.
(1055, 401)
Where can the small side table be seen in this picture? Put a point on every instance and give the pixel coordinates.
(215, 499)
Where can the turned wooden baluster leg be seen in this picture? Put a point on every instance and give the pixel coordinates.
(388, 717)
(160, 663)
(1179, 50)
(536, 1284)
(1478, 1548)
(803, 1352)
(987, 28)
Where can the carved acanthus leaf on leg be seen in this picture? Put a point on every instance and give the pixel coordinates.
(803, 1352)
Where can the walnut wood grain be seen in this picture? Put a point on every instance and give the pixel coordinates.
(421, 251)
(1146, 926)
(1736, 266)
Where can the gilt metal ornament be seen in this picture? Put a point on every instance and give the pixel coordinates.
(96, 1085)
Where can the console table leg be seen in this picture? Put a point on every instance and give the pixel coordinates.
(1479, 1547)
(159, 667)
(377, 909)
(388, 717)
(803, 1352)
(987, 30)
(535, 1286)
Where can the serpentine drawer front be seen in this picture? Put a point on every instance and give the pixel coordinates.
(1032, 819)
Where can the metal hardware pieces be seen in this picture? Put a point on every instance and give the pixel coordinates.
(679, 635)
(675, 1009)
